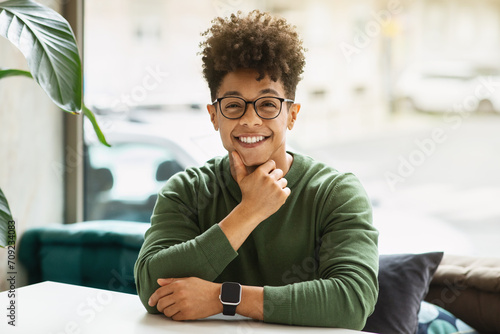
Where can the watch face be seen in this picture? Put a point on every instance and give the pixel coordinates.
(231, 293)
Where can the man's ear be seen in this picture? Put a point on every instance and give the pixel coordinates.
(292, 115)
(213, 116)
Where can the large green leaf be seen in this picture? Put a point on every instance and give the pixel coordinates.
(6, 217)
(4, 73)
(47, 41)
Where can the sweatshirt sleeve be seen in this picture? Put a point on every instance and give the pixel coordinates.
(174, 245)
(346, 291)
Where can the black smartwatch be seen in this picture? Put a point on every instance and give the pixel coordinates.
(230, 297)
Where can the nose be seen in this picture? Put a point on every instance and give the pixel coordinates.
(250, 118)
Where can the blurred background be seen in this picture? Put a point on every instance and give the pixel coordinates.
(405, 94)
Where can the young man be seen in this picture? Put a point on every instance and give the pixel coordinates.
(295, 233)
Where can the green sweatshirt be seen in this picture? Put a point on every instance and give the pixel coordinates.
(316, 257)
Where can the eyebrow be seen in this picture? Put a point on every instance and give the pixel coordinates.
(263, 91)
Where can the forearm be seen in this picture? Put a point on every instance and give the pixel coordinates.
(263, 191)
(238, 225)
(204, 257)
(192, 298)
(340, 303)
(344, 297)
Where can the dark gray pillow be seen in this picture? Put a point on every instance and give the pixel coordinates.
(403, 283)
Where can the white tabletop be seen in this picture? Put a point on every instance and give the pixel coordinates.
(56, 308)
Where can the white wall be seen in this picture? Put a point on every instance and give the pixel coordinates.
(31, 147)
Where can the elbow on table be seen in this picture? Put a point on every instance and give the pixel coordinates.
(355, 316)
(354, 320)
(144, 295)
(360, 316)
(145, 286)
(347, 317)
(358, 321)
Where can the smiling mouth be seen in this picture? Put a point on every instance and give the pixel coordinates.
(251, 140)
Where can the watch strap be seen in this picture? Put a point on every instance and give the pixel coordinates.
(229, 309)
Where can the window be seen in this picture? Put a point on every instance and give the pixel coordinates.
(122, 183)
(424, 146)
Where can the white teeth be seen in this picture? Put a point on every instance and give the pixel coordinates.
(251, 140)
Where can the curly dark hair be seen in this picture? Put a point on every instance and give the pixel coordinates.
(257, 41)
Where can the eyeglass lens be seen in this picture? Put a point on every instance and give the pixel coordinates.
(266, 107)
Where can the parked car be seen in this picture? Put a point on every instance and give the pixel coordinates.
(122, 182)
(448, 86)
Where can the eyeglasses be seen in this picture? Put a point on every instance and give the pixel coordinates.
(266, 107)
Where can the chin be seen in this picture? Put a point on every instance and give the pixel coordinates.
(253, 161)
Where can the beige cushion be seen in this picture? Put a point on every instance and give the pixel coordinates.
(469, 287)
(480, 273)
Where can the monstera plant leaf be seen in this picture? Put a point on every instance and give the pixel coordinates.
(49, 46)
(48, 43)
(46, 40)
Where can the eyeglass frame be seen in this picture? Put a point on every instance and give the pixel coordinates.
(281, 99)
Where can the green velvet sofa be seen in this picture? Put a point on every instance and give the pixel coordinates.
(99, 254)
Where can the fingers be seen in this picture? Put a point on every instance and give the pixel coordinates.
(282, 183)
(165, 303)
(277, 174)
(163, 299)
(162, 291)
(164, 281)
(268, 166)
(186, 298)
(266, 170)
(241, 171)
(168, 307)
